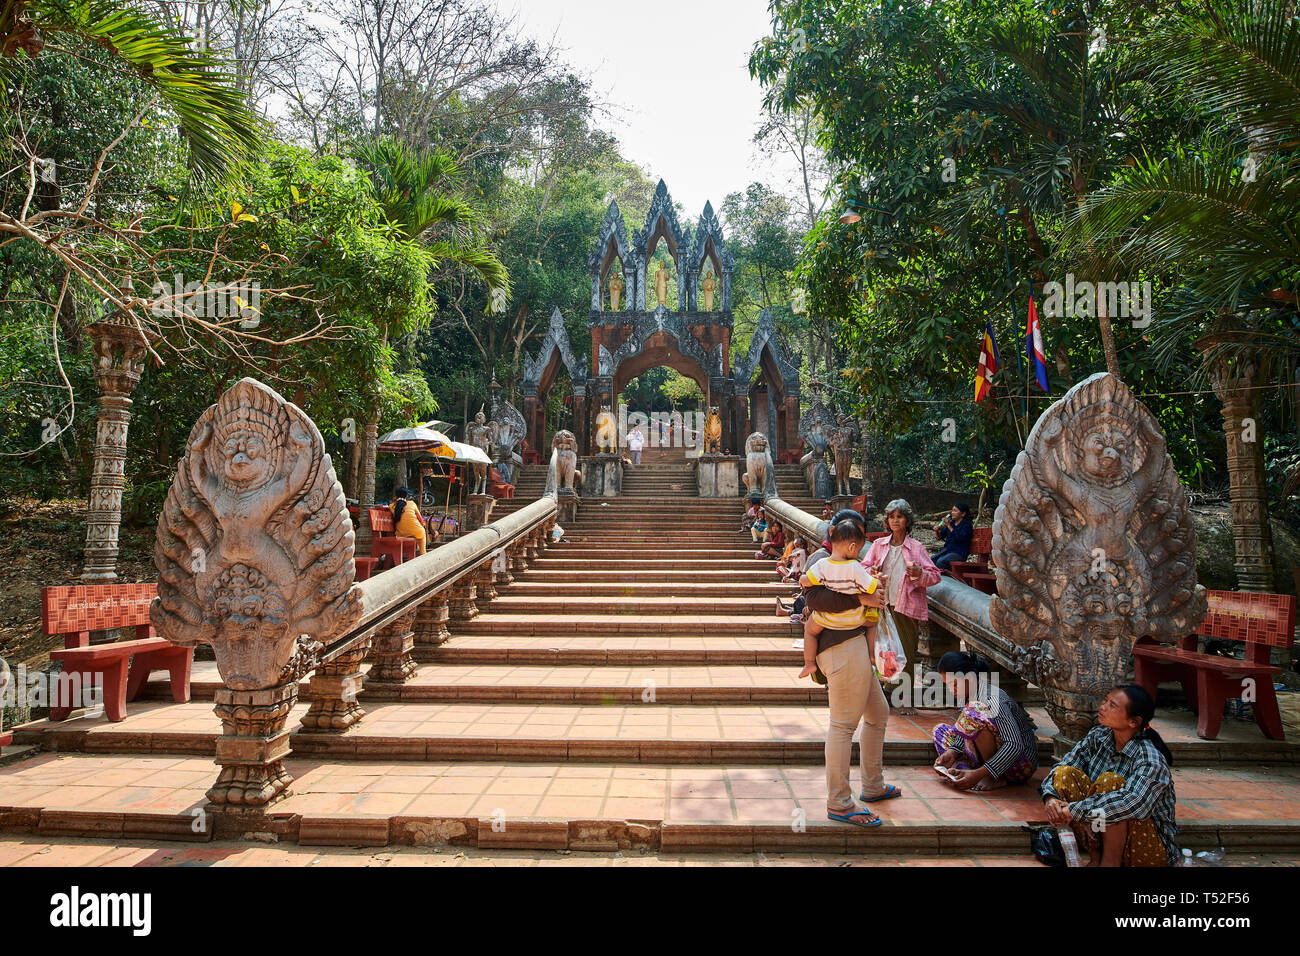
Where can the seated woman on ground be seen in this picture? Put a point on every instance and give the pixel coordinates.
(774, 546)
(1115, 789)
(407, 522)
(759, 528)
(751, 515)
(992, 742)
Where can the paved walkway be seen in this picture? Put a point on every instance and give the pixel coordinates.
(91, 853)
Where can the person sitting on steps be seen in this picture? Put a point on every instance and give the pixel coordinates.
(1115, 789)
(992, 742)
(774, 546)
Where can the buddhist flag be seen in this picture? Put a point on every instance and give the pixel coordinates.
(1034, 347)
(988, 364)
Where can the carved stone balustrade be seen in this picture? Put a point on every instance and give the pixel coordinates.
(255, 557)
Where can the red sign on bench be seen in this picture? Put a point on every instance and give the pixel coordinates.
(77, 610)
(1263, 621)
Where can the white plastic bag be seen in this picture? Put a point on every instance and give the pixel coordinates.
(890, 658)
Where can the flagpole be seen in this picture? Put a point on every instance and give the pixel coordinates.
(1021, 368)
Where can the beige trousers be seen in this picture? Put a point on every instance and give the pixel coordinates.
(855, 697)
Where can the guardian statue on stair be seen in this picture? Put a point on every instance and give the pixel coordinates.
(563, 475)
(1093, 547)
(760, 475)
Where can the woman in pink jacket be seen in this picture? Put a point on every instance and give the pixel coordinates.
(906, 566)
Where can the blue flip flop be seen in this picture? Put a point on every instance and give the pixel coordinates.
(869, 819)
(889, 794)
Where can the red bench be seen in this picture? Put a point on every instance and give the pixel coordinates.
(1262, 621)
(497, 487)
(384, 539)
(120, 668)
(981, 551)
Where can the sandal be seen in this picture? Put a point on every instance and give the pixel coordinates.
(858, 818)
(891, 791)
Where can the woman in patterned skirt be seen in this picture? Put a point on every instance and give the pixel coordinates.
(992, 743)
(1115, 788)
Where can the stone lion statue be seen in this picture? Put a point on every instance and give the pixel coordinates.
(713, 432)
(760, 476)
(563, 476)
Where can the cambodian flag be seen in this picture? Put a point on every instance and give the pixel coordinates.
(1034, 346)
(988, 364)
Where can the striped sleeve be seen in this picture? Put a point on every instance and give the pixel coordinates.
(1013, 744)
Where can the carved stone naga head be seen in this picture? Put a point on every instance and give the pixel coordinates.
(1094, 548)
(255, 548)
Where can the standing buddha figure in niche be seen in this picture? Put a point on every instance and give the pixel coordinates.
(615, 286)
(661, 284)
(708, 286)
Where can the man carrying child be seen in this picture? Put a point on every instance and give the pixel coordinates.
(839, 651)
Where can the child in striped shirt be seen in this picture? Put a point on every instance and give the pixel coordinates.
(844, 573)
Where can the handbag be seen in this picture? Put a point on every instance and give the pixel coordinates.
(1045, 843)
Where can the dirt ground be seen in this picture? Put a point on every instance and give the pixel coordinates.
(41, 544)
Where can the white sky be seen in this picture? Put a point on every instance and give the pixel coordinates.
(676, 76)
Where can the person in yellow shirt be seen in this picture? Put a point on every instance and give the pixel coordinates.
(407, 522)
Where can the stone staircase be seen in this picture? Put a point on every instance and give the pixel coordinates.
(634, 687)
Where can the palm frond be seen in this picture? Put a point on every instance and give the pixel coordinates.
(1243, 62)
(214, 119)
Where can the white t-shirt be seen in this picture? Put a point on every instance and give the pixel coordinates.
(635, 441)
(894, 567)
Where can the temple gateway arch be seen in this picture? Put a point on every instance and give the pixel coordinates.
(760, 393)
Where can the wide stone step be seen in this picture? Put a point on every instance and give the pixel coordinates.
(525, 586)
(624, 650)
(579, 549)
(596, 806)
(629, 564)
(544, 571)
(689, 684)
(612, 625)
(601, 607)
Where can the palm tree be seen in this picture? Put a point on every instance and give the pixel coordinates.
(1225, 225)
(214, 119)
(418, 193)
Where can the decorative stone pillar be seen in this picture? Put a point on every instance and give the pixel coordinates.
(484, 583)
(461, 599)
(333, 691)
(253, 744)
(503, 577)
(518, 557)
(120, 348)
(478, 511)
(390, 653)
(255, 557)
(1234, 378)
(431, 621)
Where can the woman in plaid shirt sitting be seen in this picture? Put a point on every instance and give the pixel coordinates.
(1115, 789)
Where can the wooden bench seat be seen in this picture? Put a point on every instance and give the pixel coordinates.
(121, 668)
(1262, 622)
